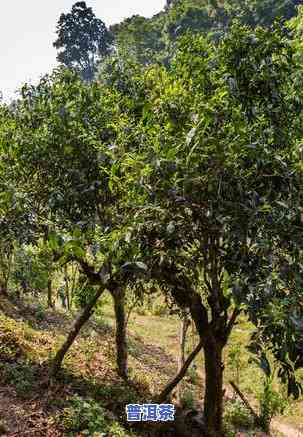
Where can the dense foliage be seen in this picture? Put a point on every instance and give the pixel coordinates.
(177, 171)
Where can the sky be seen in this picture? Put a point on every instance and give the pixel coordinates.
(27, 31)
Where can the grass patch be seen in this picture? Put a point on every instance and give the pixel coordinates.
(86, 417)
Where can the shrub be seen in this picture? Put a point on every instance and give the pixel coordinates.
(40, 313)
(237, 415)
(90, 418)
(271, 403)
(235, 361)
(192, 375)
(21, 375)
(84, 415)
(187, 399)
(14, 339)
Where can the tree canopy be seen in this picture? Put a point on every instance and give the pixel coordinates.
(82, 40)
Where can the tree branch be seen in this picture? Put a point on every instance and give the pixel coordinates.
(232, 321)
(168, 389)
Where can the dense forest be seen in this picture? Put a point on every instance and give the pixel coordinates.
(151, 218)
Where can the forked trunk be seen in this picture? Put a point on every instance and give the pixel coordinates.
(213, 400)
(121, 342)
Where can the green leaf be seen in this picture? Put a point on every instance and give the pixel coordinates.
(53, 241)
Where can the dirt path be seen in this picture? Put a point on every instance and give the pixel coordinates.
(286, 429)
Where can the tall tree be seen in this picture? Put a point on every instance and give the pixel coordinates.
(82, 40)
(215, 189)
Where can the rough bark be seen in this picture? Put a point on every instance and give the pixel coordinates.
(211, 321)
(121, 338)
(78, 324)
(213, 399)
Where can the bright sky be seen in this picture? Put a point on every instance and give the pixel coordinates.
(27, 31)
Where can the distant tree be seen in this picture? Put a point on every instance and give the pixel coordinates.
(188, 17)
(82, 40)
(139, 38)
(262, 13)
(153, 40)
(200, 16)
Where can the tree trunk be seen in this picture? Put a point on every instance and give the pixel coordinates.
(66, 288)
(68, 300)
(6, 270)
(121, 342)
(50, 303)
(162, 397)
(9, 268)
(213, 400)
(3, 289)
(185, 322)
(78, 324)
(75, 282)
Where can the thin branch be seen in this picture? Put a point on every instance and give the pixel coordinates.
(130, 311)
(245, 402)
(232, 321)
(168, 389)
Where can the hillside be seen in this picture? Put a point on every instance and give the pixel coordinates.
(149, 40)
(89, 396)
